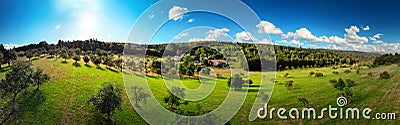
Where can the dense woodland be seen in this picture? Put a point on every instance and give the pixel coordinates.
(286, 57)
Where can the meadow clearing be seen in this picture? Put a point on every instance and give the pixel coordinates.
(63, 99)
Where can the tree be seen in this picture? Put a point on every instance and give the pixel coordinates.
(29, 55)
(39, 78)
(10, 55)
(174, 97)
(17, 80)
(76, 58)
(108, 62)
(139, 95)
(236, 82)
(65, 55)
(384, 75)
(1, 59)
(289, 85)
(340, 84)
(118, 63)
(96, 61)
(86, 59)
(107, 99)
(156, 66)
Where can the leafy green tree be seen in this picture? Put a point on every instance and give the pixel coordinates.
(340, 84)
(10, 55)
(1, 59)
(174, 97)
(76, 58)
(156, 66)
(236, 82)
(139, 95)
(96, 61)
(29, 55)
(65, 55)
(107, 99)
(118, 64)
(39, 78)
(86, 59)
(108, 62)
(17, 80)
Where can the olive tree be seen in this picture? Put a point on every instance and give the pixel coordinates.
(107, 99)
(17, 80)
(39, 78)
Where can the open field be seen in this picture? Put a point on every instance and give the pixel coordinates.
(63, 99)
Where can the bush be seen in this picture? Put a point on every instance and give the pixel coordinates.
(319, 74)
(347, 71)
(235, 82)
(335, 72)
(339, 84)
(333, 81)
(312, 73)
(348, 94)
(289, 84)
(384, 75)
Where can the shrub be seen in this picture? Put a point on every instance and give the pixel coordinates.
(384, 75)
(347, 71)
(311, 73)
(333, 81)
(236, 82)
(107, 99)
(289, 84)
(340, 84)
(335, 72)
(249, 81)
(348, 94)
(319, 74)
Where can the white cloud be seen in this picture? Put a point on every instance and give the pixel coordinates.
(305, 34)
(292, 42)
(245, 36)
(151, 16)
(268, 28)
(217, 33)
(212, 35)
(176, 13)
(11, 45)
(366, 28)
(351, 35)
(181, 35)
(378, 41)
(57, 27)
(190, 20)
(376, 37)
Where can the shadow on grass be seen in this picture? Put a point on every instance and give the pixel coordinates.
(64, 62)
(30, 100)
(99, 68)
(113, 70)
(89, 66)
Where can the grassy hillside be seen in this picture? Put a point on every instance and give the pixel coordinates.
(63, 99)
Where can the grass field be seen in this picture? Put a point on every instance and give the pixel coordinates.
(63, 99)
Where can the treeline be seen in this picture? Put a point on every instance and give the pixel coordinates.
(284, 57)
(387, 59)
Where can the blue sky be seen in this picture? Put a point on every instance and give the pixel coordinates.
(371, 26)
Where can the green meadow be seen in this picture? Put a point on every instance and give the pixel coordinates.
(63, 100)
